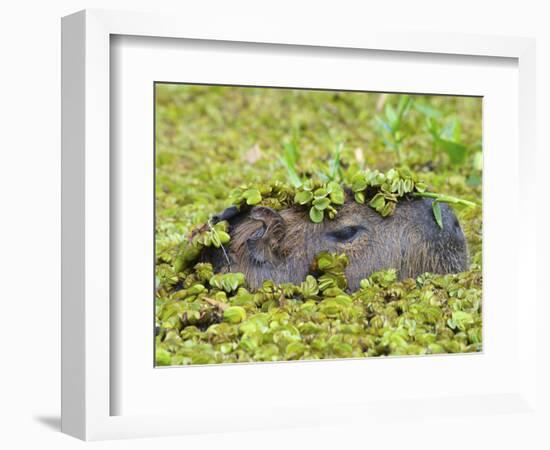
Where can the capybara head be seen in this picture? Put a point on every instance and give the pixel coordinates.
(281, 245)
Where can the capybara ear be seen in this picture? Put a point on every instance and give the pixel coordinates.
(264, 243)
(226, 214)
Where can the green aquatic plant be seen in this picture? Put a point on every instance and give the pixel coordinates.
(381, 191)
(289, 159)
(204, 138)
(320, 198)
(221, 321)
(386, 188)
(214, 318)
(206, 235)
(441, 198)
(391, 124)
(446, 135)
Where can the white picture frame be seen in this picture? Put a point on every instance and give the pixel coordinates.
(89, 323)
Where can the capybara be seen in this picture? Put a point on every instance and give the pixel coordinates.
(281, 245)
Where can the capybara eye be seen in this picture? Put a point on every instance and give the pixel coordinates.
(345, 234)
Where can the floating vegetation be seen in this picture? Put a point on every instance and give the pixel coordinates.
(215, 319)
(382, 190)
(219, 146)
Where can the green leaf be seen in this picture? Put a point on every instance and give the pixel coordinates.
(457, 152)
(421, 187)
(378, 178)
(332, 186)
(408, 186)
(291, 153)
(403, 105)
(383, 124)
(377, 202)
(391, 174)
(359, 182)
(253, 196)
(396, 186)
(334, 163)
(360, 197)
(473, 180)
(162, 357)
(433, 128)
(316, 215)
(451, 131)
(391, 116)
(221, 226)
(234, 314)
(325, 260)
(462, 319)
(295, 350)
(388, 209)
(224, 237)
(303, 197)
(320, 193)
(309, 287)
(337, 196)
(308, 185)
(321, 203)
(478, 161)
(428, 111)
(289, 159)
(215, 240)
(229, 282)
(436, 208)
(405, 172)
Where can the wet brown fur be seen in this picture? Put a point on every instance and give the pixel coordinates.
(266, 245)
